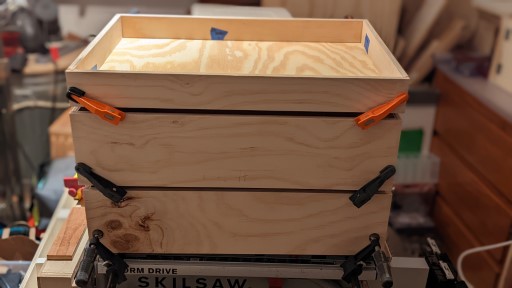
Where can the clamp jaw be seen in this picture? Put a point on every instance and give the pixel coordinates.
(353, 266)
(375, 115)
(102, 110)
(107, 188)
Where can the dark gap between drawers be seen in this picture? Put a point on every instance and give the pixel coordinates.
(252, 190)
(243, 112)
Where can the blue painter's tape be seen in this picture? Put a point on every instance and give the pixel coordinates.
(217, 34)
(366, 43)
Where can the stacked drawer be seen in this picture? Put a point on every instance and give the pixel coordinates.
(239, 134)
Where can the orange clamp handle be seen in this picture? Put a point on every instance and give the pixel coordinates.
(104, 111)
(372, 117)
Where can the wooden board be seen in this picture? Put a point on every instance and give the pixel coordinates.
(501, 68)
(480, 269)
(236, 222)
(463, 10)
(66, 243)
(240, 57)
(384, 15)
(237, 151)
(418, 30)
(462, 119)
(60, 273)
(61, 140)
(242, 93)
(466, 193)
(445, 43)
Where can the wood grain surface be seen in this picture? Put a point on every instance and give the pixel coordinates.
(240, 57)
(236, 222)
(66, 243)
(149, 90)
(237, 151)
(242, 29)
(418, 31)
(462, 119)
(424, 63)
(466, 193)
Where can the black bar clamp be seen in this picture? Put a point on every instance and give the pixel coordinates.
(353, 266)
(107, 188)
(365, 193)
(116, 265)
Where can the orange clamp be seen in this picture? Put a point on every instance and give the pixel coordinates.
(104, 111)
(372, 117)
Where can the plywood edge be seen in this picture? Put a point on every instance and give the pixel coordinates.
(100, 45)
(380, 54)
(240, 28)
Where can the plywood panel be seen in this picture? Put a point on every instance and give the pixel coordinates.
(250, 151)
(236, 222)
(466, 193)
(445, 43)
(242, 29)
(480, 269)
(418, 30)
(99, 49)
(240, 57)
(66, 243)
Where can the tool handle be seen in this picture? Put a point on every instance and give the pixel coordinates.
(383, 268)
(86, 266)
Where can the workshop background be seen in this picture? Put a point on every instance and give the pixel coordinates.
(454, 172)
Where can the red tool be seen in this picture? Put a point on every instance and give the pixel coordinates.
(372, 117)
(104, 111)
(74, 189)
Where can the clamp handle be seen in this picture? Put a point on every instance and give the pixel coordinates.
(102, 110)
(375, 115)
(107, 188)
(365, 193)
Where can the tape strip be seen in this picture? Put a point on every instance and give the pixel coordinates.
(366, 43)
(217, 34)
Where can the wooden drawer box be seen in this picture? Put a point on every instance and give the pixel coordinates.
(245, 144)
